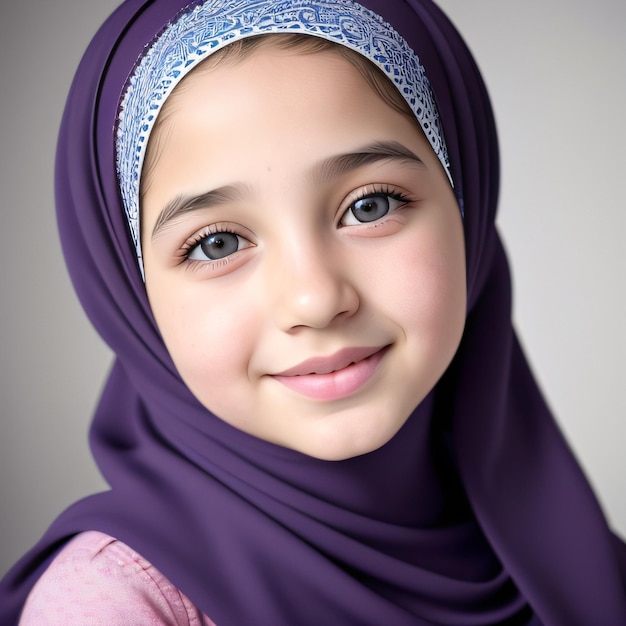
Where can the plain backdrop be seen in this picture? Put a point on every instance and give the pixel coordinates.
(556, 70)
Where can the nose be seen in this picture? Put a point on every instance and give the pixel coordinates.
(311, 288)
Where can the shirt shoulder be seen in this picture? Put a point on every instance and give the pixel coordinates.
(98, 580)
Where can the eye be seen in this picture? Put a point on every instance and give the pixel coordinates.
(216, 246)
(370, 208)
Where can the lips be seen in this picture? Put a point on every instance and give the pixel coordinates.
(335, 376)
(326, 365)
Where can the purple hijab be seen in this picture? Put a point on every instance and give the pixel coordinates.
(474, 513)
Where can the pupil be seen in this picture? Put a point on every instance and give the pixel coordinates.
(219, 245)
(371, 208)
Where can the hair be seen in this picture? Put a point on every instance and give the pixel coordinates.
(240, 51)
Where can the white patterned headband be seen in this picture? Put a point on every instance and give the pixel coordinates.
(213, 24)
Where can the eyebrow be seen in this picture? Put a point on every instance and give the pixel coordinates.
(323, 172)
(336, 166)
(181, 205)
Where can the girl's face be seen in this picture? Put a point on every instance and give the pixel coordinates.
(303, 252)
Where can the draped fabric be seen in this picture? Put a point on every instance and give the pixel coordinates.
(474, 513)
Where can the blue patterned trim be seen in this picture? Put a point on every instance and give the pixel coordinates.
(214, 24)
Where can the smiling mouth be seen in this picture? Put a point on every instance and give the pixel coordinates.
(333, 377)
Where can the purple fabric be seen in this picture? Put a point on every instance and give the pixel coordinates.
(475, 513)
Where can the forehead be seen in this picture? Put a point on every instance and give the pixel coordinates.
(212, 25)
(237, 121)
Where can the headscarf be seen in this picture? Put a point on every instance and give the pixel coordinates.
(474, 513)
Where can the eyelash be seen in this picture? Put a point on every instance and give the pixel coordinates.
(373, 191)
(195, 241)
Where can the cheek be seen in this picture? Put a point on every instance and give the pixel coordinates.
(210, 338)
(425, 292)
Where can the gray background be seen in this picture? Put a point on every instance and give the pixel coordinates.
(557, 73)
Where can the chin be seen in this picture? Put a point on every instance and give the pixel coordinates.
(340, 447)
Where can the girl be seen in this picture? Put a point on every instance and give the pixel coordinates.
(319, 412)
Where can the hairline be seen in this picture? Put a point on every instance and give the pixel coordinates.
(243, 49)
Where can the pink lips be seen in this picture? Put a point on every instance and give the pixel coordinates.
(333, 377)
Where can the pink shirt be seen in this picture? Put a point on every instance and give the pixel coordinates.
(96, 580)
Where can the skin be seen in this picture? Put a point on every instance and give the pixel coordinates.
(307, 279)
